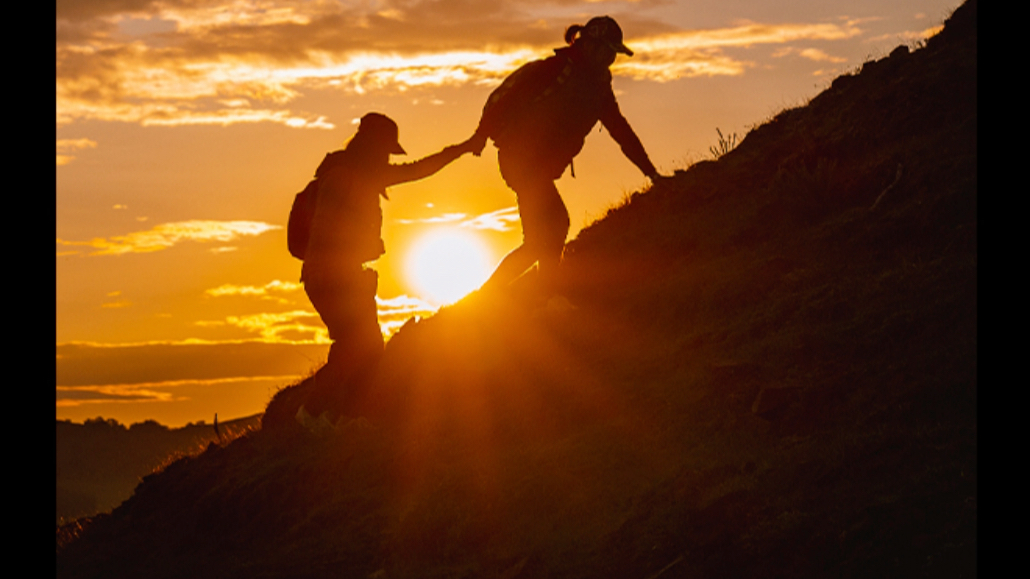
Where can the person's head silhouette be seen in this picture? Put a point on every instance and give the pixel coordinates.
(600, 40)
(378, 133)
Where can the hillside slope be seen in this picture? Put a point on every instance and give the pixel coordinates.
(100, 462)
(770, 372)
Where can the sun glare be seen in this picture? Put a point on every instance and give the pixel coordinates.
(446, 264)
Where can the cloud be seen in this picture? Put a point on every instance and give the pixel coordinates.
(909, 35)
(79, 10)
(500, 220)
(212, 52)
(289, 327)
(116, 305)
(132, 372)
(166, 391)
(179, 62)
(700, 52)
(78, 395)
(66, 146)
(395, 312)
(168, 235)
(154, 88)
(305, 326)
(813, 54)
(445, 218)
(269, 291)
(295, 326)
(226, 117)
(88, 364)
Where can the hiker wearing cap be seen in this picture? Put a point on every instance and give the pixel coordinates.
(538, 119)
(344, 236)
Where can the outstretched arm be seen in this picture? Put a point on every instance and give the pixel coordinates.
(477, 143)
(620, 130)
(618, 127)
(427, 165)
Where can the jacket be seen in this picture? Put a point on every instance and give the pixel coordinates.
(347, 224)
(546, 108)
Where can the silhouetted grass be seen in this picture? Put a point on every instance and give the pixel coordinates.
(725, 144)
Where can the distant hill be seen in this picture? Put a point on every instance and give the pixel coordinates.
(100, 461)
(770, 371)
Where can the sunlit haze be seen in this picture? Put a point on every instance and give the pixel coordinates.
(185, 128)
(446, 264)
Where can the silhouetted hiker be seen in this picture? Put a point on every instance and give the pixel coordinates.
(538, 119)
(344, 236)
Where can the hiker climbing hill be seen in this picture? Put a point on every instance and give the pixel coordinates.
(538, 119)
(342, 236)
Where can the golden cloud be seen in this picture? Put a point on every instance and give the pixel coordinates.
(160, 90)
(699, 53)
(500, 220)
(910, 35)
(445, 218)
(813, 54)
(100, 367)
(817, 55)
(283, 327)
(167, 235)
(77, 396)
(305, 326)
(266, 291)
(395, 312)
(66, 146)
(213, 59)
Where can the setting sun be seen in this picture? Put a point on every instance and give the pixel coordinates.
(446, 264)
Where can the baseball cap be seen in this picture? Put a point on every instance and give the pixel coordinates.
(605, 29)
(383, 129)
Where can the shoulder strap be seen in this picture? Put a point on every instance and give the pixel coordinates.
(558, 81)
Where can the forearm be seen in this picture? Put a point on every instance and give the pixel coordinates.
(620, 130)
(424, 167)
(634, 151)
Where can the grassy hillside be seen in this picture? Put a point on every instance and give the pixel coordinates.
(100, 462)
(770, 372)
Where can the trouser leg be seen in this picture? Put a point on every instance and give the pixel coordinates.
(347, 306)
(545, 222)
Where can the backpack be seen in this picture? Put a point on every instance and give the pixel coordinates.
(298, 227)
(530, 83)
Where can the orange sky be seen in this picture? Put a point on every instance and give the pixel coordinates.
(184, 128)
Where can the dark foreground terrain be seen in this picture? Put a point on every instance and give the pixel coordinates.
(100, 462)
(771, 371)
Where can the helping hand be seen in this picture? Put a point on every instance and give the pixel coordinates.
(474, 145)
